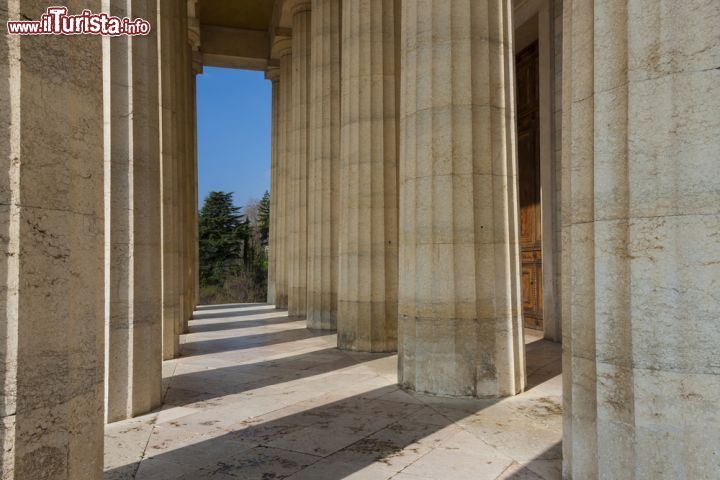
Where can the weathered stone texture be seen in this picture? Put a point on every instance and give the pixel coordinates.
(641, 217)
(284, 199)
(367, 289)
(273, 75)
(297, 295)
(169, 179)
(132, 228)
(324, 166)
(51, 239)
(460, 320)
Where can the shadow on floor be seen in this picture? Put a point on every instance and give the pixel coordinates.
(218, 327)
(202, 308)
(537, 469)
(543, 361)
(207, 315)
(222, 431)
(321, 441)
(331, 442)
(227, 344)
(204, 385)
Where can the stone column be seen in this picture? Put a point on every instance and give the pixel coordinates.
(284, 241)
(189, 203)
(273, 74)
(51, 238)
(324, 165)
(367, 290)
(180, 86)
(196, 69)
(194, 209)
(167, 19)
(641, 216)
(132, 234)
(461, 329)
(300, 12)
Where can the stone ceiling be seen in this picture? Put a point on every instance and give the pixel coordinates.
(237, 33)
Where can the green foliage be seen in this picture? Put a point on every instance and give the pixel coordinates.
(263, 218)
(233, 259)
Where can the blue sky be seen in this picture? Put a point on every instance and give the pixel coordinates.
(234, 117)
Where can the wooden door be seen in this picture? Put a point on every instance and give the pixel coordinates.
(528, 132)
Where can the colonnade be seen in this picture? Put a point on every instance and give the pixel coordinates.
(98, 230)
(150, 207)
(394, 209)
(427, 242)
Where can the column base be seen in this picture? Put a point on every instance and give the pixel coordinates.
(322, 317)
(366, 327)
(461, 357)
(281, 301)
(271, 293)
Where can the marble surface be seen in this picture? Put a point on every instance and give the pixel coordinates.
(257, 395)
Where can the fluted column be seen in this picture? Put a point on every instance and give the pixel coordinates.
(195, 68)
(194, 213)
(51, 239)
(367, 291)
(299, 157)
(189, 202)
(167, 19)
(461, 329)
(284, 200)
(324, 165)
(641, 216)
(273, 74)
(132, 231)
(186, 147)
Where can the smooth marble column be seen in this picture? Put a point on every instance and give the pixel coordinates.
(167, 17)
(460, 318)
(284, 200)
(297, 295)
(133, 242)
(641, 216)
(51, 238)
(273, 75)
(367, 290)
(324, 166)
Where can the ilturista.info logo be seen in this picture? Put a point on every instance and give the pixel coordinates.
(57, 21)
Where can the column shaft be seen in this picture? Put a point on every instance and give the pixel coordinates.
(194, 213)
(273, 76)
(367, 290)
(324, 165)
(299, 159)
(180, 87)
(133, 290)
(641, 250)
(461, 329)
(283, 258)
(169, 184)
(190, 220)
(51, 236)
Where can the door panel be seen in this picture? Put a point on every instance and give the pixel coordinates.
(528, 106)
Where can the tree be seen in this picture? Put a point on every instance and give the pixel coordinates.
(222, 235)
(263, 218)
(233, 259)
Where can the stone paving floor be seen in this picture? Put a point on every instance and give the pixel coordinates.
(258, 396)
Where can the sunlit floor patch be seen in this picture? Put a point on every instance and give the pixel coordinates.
(257, 396)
